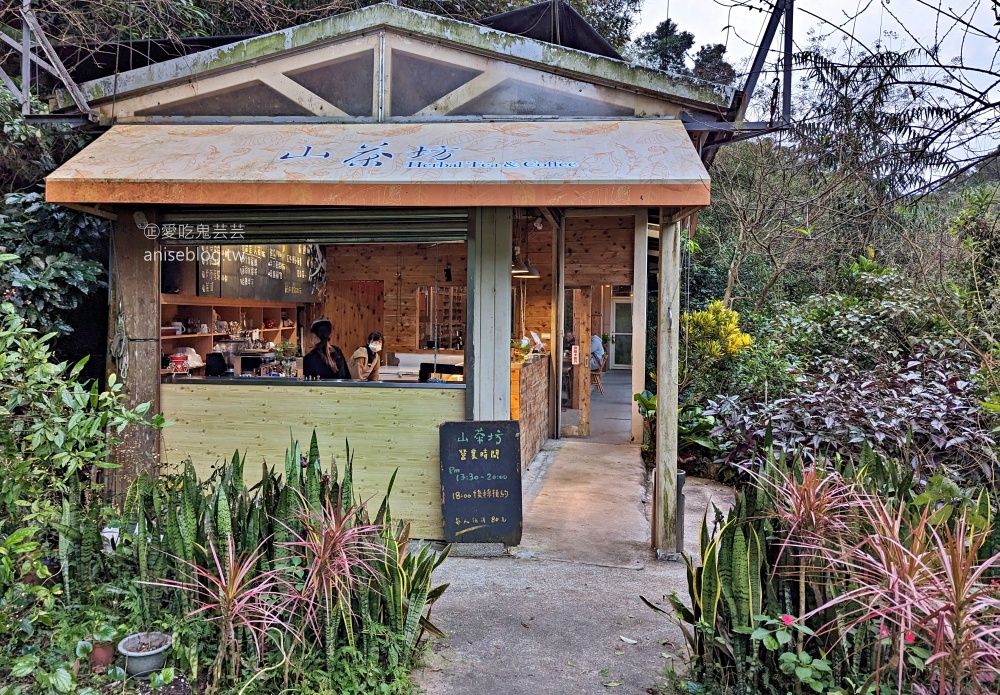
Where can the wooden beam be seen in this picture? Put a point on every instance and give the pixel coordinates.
(599, 212)
(558, 321)
(665, 521)
(639, 300)
(680, 214)
(581, 374)
(488, 358)
(134, 345)
(92, 210)
(547, 214)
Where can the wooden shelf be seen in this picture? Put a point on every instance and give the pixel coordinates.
(192, 335)
(193, 300)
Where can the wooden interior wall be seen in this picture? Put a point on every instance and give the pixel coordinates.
(355, 308)
(402, 268)
(599, 251)
(538, 292)
(388, 428)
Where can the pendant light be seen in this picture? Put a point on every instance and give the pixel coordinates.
(518, 267)
(532, 272)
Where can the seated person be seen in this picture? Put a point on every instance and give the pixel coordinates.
(364, 361)
(324, 361)
(596, 352)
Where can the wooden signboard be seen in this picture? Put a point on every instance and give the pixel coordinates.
(481, 482)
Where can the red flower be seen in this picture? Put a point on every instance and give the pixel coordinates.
(787, 619)
(883, 632)
(910, 638)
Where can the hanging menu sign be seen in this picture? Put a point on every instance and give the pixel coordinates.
(481, 481)
(274, 272)
(209, 271)
(295, 286)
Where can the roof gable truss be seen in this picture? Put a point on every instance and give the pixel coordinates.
(380, 76)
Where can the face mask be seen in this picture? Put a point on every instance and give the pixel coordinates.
(375, 347)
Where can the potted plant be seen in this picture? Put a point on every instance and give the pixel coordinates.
(144, 652)
(102, 653)
(286, 352)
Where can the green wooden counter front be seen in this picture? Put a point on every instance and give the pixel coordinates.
(388, 428)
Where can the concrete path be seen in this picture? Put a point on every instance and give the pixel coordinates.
(563, 614)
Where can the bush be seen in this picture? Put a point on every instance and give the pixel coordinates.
(55, 267)
(925, 411)
(841, 578)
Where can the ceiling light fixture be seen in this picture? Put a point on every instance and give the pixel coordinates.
(517, 267)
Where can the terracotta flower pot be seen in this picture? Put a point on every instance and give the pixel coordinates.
(102, 656)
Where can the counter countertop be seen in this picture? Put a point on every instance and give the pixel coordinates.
(282, 381)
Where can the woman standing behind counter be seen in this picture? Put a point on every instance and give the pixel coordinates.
(365, 360)
(324, 361)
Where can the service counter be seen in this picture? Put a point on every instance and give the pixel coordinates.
(529, 404)
(389, 427)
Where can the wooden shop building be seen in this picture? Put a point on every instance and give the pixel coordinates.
(391, 171)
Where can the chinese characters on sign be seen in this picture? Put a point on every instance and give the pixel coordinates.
(423, 157)
(481, 482)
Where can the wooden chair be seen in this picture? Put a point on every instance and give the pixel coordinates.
(595, 374)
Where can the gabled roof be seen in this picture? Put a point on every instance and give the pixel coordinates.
(529, 52)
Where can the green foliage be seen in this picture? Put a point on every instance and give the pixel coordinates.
(358, 592)
(56, 269)
(711, 340)
(56, 429)
(834, 577)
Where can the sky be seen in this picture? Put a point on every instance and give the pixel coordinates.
(708, 19)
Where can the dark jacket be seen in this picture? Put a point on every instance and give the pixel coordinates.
(314, 365)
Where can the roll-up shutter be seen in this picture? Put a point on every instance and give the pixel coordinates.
(320, 225)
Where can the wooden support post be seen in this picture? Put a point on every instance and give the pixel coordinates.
(665, 521)
(581, 374)
(487, 363)
(639, 300)
(558, 321)
(134, 340)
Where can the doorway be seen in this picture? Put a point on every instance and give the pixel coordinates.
(621, 334)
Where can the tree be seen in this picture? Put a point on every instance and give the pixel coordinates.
(711, 65)
(665, 48)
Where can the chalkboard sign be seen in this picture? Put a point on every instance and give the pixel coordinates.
(209, 271)
(481, 482)
(275, 272)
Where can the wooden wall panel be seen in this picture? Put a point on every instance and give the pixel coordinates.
(355, 308)
(538, 305)
(402, 268)
(388, 428)
(599, 251)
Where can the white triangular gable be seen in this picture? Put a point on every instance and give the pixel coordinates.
(383, 76)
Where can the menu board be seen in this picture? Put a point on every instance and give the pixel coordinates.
(276, 272)
(209, 271)
(481, 481)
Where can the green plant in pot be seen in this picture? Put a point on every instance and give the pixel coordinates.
(285, 352)
(100, 648)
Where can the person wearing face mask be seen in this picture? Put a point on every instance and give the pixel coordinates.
(364, 361)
